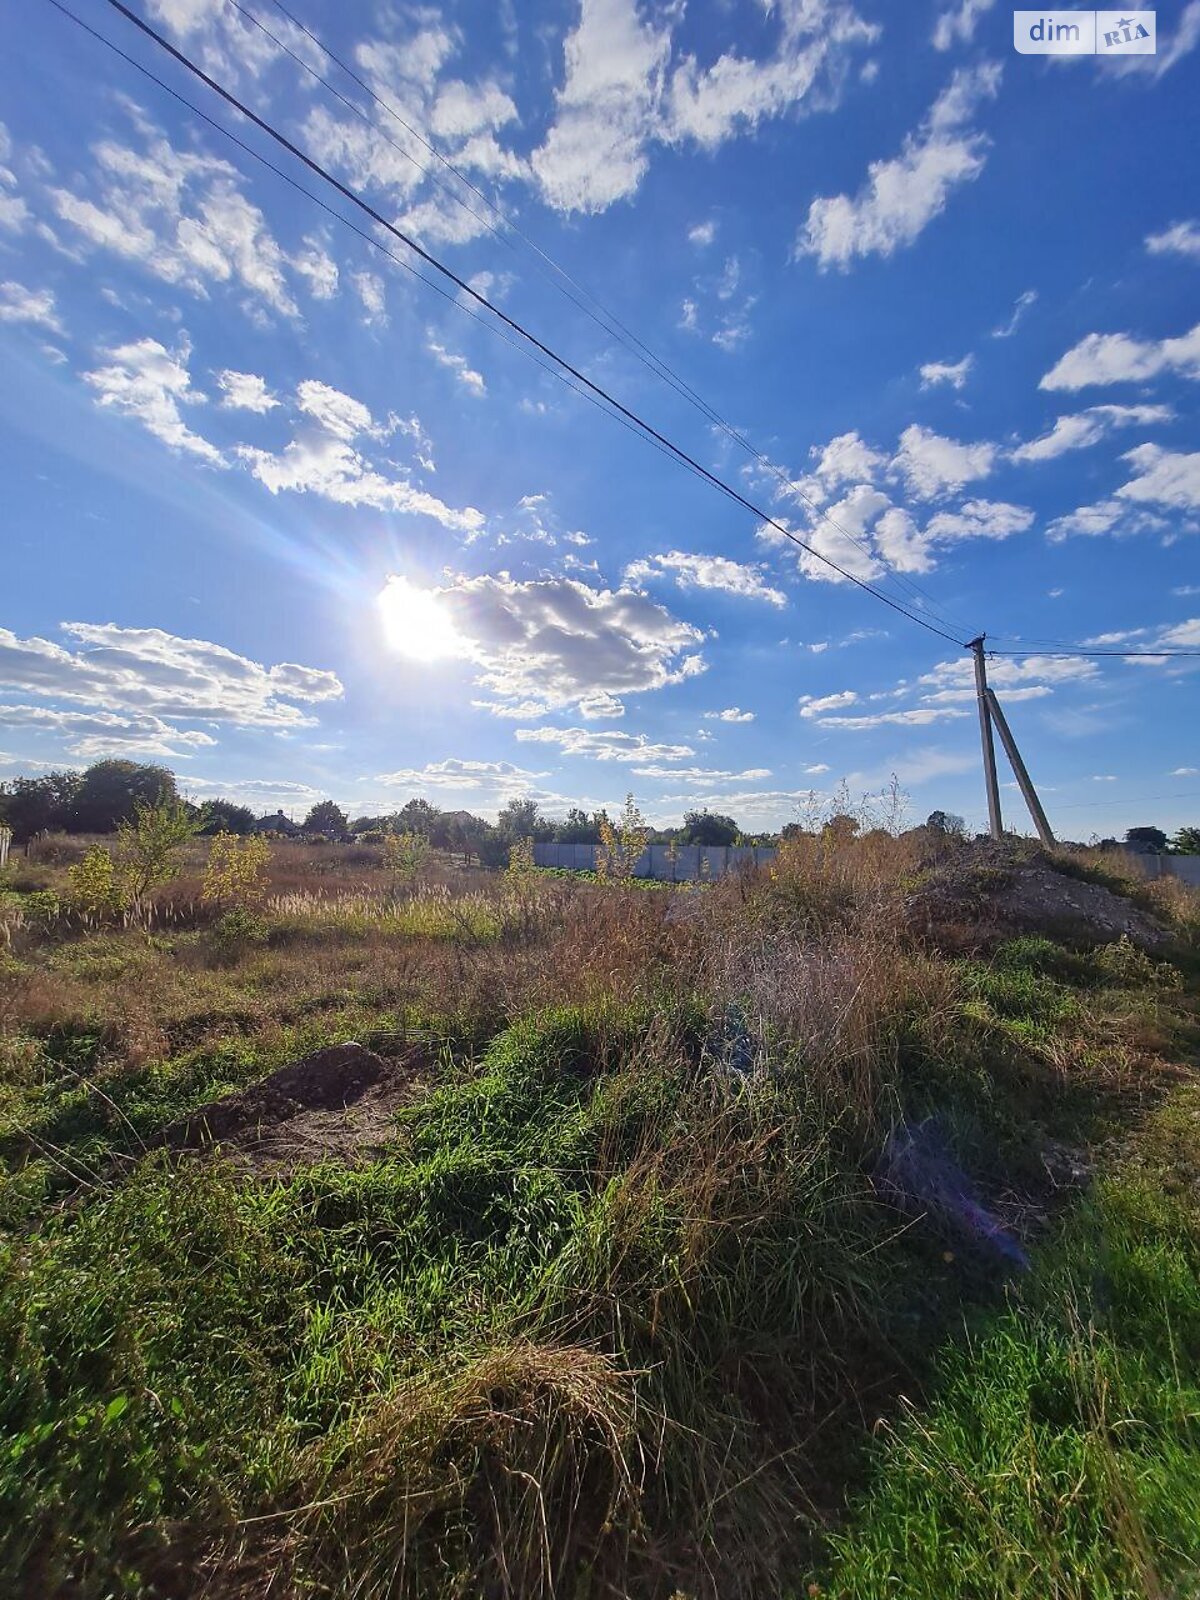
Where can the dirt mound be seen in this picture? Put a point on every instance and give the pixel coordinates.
(334, 1104)
(995, 891)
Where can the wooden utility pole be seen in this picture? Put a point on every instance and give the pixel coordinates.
(985, 735)
(1018, 766)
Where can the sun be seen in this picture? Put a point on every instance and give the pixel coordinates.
(416, 622)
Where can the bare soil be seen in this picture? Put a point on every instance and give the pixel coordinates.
(336, 1104)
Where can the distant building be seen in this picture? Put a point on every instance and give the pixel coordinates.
(278, 823)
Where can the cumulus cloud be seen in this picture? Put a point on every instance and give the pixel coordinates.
(819, 707)
(624, 92)
(547, 643)
(932, 464)
(1180, 239)
(148, 382)
(607, 746)
(181, 216)
(903, 195)
(499, 777)
(326, 459)
(1103, 358)
(706, 572)
(1163, 477)
(93, 734)
(1088, 428)
(33, 306)
(952, 372)
(245, 391)
(730, 714)
(161, 675)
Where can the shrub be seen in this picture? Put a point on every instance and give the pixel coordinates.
(96, 890)
(236, 873)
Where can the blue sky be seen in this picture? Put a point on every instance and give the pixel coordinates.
(278, 515)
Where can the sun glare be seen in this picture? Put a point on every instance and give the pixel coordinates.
(416, 623)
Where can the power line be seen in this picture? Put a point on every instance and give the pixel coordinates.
(607, 319)
(648, 430)
(1125, 655)
(367, 238)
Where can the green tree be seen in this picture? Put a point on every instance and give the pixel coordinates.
(326, 817)
(147, 847)
(578, 828)
(621, 847)
(1186, 842)
(111, 792)
(416, 816)
(222, 816)
(708, 828)
(520, 819)
(33, 805)
(1153, 839)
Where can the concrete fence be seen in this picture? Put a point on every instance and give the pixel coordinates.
(1185, 867)
(686, 863)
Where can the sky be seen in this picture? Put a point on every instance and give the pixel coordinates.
(283, 517)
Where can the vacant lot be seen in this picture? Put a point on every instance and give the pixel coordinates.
(823, 1231)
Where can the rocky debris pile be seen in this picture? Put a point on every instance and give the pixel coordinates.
(996, 890)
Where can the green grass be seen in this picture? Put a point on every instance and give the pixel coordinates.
(607, 1316)
(1060, 1455)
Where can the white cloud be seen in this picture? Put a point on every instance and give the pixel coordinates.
(471, 380)
(622, 95)
(339, 414)
(730, 714)
(1020, 306)
(1185, 772)
(371, 292)
(1172, 48)
(315, 264)
(1106, 516)
(330, 467)
(918, 717)
(1164, 478)
(1103, 358)
(952, 372)
(810, 707)
(623, 747)
(1180, 239)
(703, 233)
(606, 111)
(903, 195)
(501, 777)
(706, 572)
(34, 306)
(93, 734)
(324, 459)
(158, 674)
(1088, 428)
(147, 381)
(180, 215)
(978, 519)
(958, 26)
(554, 642)
(932, 464)
(245, 391)
(702, 774)
(847, 459)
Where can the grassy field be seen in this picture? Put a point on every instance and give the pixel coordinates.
(739, 1241)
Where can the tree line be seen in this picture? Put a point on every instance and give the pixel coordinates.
(108, 794)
